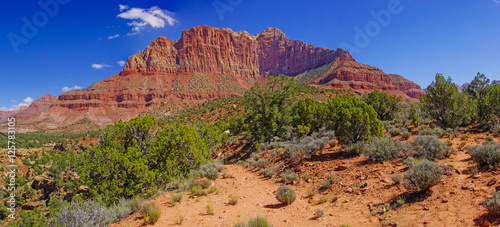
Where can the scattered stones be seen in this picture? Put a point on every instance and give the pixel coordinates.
(468, 186)
(492, 182)
(44, 182)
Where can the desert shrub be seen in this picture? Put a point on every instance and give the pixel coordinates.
(495, 128)
(328, 182)
(425, 131)
(285, 194)
(306, 176)
(262, 163)
(137, 203)
(233, 200)
(379, 150)
(305, 147)
(423, 176)
(176, 197)
(267, 172)
(396, 178)
(489, 138)
(209, 171)
(289, 176)
(462, 145)
(122, 208)
(198, 191)
(429, 147)
(205, 184)
(88, 213)
(439, 132)
(258, 222)
(210, 209)
(319, 213)
(214, 190)
(394, 132)
(150, 213)
(411, 161)
(310, 114)
(404, 133)
(493, 204)
(487, 155)
(354, 120)
(355, 149)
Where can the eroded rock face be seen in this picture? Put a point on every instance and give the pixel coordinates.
(207, 63)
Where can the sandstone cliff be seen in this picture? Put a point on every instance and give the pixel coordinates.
(207, 63)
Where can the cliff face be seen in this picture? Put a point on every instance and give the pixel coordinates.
(36, 107)
(207, 63)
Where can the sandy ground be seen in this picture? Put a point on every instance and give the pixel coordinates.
(447, 204)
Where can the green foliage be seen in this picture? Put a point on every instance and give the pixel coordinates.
(444, 103)
(310, 113)
(319, 213)
(233, 200)
(429, 147)
(268, 108)
(33, 218)
(423, 176)
(328, 182)
(209, 171)
(355, 149)
(493, 204)
(386, 106)
(381, 149)
(210, 209)
(354, 120)
(258, 222)
(267, 172)
(487, 155)
(396, 178)
(286, 195)
(478, 90)
(151, 213)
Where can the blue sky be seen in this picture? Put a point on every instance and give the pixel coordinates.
(76, 43)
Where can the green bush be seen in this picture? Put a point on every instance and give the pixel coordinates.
(258, 222)
(209, 171)
(309, 113)
(423, 176)
(285, 195)
(176, 197)
(396, 178)
(386, 106)
(233, 200)
(306, 176)
(210, 209)
(493, 204)
(151, 213)
(88, 213)
(267, 172)
(354, 120)
(429, 147)
(486, 155)
(34, 218)
(262, 163)
(404, 133)
(328, 182)
(379, 150)
(319, 213)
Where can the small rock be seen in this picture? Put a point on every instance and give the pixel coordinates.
(445, 200)
(485, 223)
(349, 190)
(340, 168)
(477, 176)
(468, 186)
(426, 222)
(385, 180)
(426, 208)
(492, 182)
(452, 193)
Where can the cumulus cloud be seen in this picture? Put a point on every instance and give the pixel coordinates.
(12, 100)
(154, 17)
(496, 1)
(100, 66)
(25, 102)
(65, 89)
(114, 36)
(121, 63)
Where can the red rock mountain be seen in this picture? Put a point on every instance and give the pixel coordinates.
(207, 63)
(36, 107)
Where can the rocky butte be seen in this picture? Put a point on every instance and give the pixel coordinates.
(207, 63)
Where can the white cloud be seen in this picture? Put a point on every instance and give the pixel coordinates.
(123, 7)
(65, 89)
(114, 36)
(100, 66)
(121, 63)
(12, 100)
(141, 18)
(25, 102)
